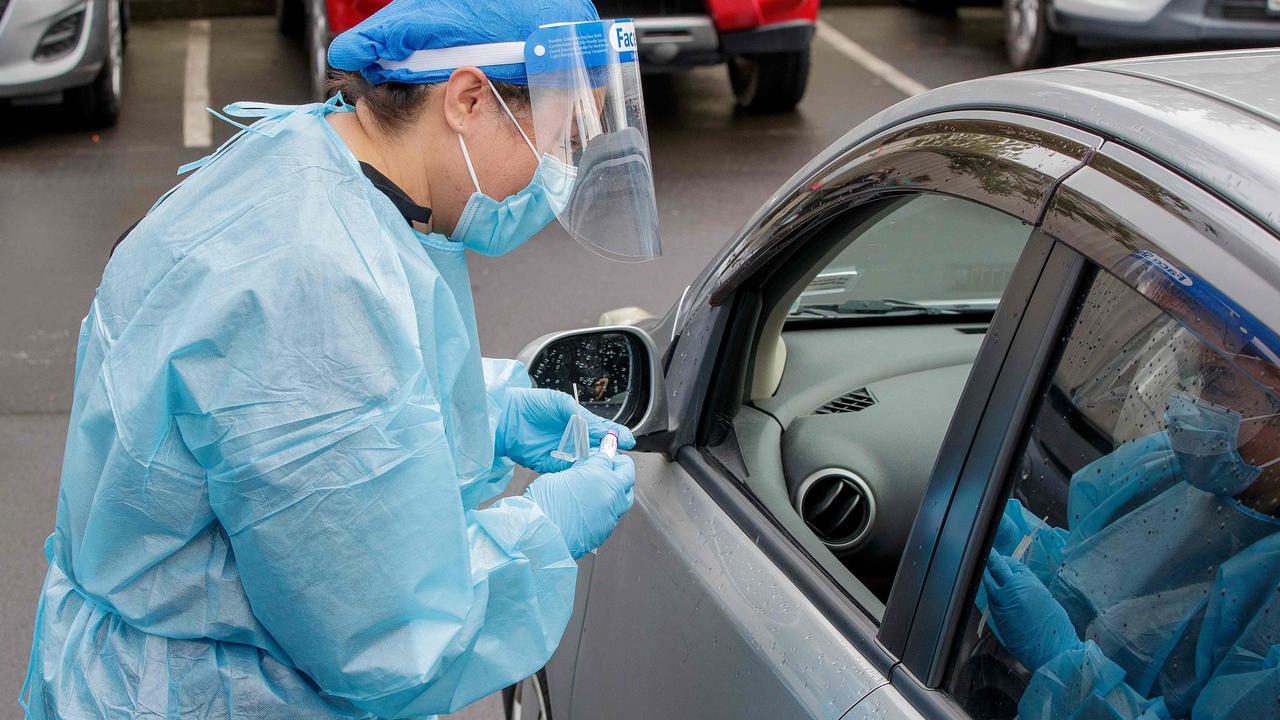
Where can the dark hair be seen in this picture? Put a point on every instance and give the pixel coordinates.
(395, 105)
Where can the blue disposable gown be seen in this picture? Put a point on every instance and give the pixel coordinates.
(281, 431)
(1147, 559)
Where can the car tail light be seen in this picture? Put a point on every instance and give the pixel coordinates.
(61, 37)
(730, 15)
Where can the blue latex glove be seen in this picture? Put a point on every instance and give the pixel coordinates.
(1043, 554)
(1009, 532)
(587, 500)
(1026, 618)
(532, 421)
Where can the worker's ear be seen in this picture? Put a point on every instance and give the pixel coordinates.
(466, 95)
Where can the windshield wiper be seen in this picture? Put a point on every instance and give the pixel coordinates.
(926, 309)
(853, 307)
(817, 311)
(888, 306)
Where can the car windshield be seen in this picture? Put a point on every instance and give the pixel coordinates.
(921, 255)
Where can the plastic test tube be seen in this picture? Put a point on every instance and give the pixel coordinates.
(609, 444)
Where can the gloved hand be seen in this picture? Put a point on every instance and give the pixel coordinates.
(532, 422)
(1043, 551)
(1009, 532)
(587, 500)
(1026, 618)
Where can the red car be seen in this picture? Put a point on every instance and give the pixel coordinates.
(764, 42)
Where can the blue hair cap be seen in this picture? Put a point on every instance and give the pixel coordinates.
(406, 26)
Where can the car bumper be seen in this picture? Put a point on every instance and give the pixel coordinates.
(1224, 21)
(679, 42)
(21, 29)
(791, 36)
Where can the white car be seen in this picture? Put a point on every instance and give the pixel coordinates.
(69, 51)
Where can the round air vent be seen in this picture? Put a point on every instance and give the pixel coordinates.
(838, 506)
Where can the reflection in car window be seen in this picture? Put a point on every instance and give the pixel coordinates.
(930, 254)
(1135, 568)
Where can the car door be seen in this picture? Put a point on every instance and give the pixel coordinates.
(711, 599)
(1158, 306)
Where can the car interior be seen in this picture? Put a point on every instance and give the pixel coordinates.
(862, 342)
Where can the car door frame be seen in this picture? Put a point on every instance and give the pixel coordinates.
(927, 154)
(1092, 221)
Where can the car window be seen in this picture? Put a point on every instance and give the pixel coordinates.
(1134, 570)
(865, 343)
(929, 253)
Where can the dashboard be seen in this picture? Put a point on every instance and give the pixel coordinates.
(862, 413)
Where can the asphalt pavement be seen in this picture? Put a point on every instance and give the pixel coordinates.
(66, 194)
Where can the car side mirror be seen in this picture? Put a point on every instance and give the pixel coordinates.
(612, 371)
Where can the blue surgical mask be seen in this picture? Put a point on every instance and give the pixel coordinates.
(494, 228)
(1203, 437)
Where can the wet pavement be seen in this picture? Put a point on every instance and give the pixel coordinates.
(67, 194)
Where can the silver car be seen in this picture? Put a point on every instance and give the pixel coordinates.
(68, 51)
(971, 298)
(1046, 32)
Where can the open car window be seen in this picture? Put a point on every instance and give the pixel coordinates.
(854, 381)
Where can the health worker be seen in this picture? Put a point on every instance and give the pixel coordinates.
(283, 431)
(1160, 598)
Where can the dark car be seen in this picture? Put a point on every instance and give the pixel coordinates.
(972, 298)
(765, 44)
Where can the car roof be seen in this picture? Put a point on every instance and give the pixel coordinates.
(1214, 117)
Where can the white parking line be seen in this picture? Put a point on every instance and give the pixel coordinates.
(197, 126)
(905, 84)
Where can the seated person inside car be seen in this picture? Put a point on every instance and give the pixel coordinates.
(1155, 591)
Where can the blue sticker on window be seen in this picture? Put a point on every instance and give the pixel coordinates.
(589, 44)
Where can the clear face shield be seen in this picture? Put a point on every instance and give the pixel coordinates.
(588, 113)
(589, 130)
